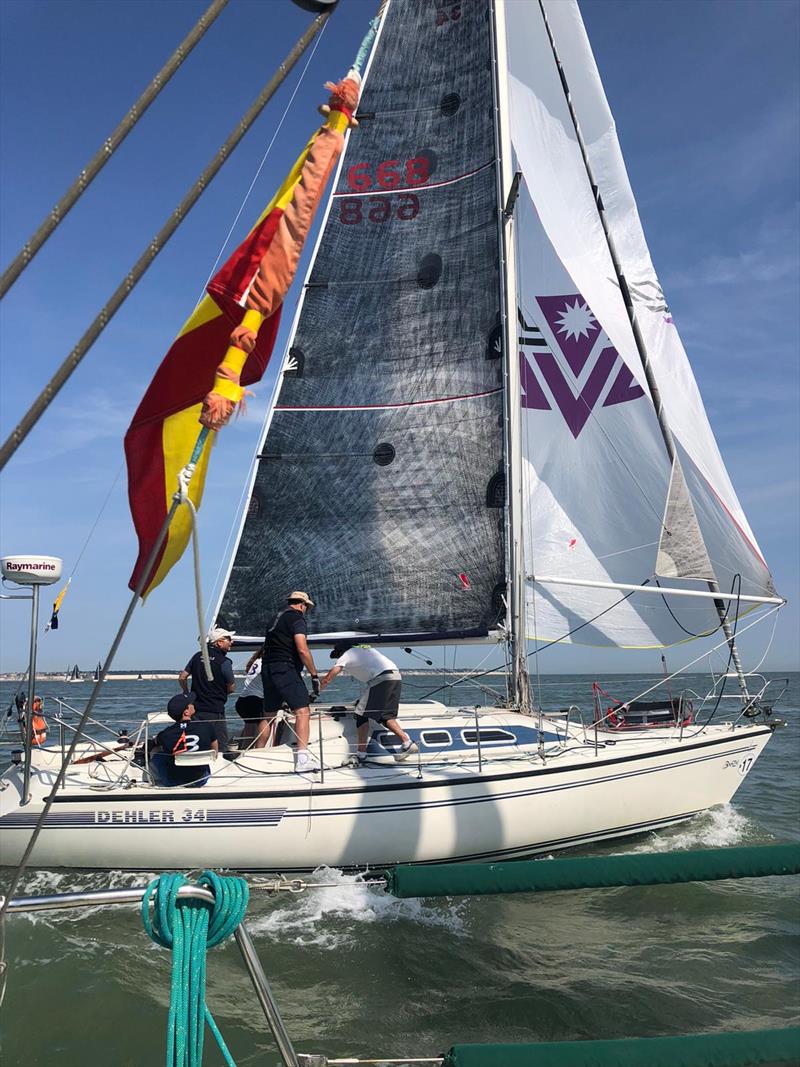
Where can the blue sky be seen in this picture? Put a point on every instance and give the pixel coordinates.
(705, 95)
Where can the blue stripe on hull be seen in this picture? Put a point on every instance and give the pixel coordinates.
(145, 820)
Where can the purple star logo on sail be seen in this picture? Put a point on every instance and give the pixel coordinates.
(580, 342)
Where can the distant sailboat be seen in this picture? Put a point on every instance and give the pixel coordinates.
(97, 671)
(75, 675)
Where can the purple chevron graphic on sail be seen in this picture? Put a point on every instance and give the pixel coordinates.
(577, 369)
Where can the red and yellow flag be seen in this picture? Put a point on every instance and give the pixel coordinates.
(225, 345)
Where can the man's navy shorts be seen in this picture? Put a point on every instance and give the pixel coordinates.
(282, 685)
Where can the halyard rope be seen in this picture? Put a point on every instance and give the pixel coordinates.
(190, 926)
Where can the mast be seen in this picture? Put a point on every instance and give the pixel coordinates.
(506, 184)
(641, 348)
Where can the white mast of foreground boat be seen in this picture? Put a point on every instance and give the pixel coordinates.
(507, 185)
(715, 592)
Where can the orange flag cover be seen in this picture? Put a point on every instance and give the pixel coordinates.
(202, 377)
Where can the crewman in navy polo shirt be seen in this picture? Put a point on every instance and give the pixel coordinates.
(286, 652)
(212, 693)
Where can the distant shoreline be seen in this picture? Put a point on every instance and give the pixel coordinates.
(172, 676)
(88, 677)
(431, 672)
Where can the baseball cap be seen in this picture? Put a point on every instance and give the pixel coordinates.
(178, 704)
(301, 596)
(217, 633)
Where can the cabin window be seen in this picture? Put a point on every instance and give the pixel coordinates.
(491, 736)
(436, 738)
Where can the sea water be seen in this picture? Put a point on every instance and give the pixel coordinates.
(357, 973)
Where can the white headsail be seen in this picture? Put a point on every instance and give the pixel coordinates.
(605, 500)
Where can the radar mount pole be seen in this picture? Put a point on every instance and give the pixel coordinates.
(28, 737)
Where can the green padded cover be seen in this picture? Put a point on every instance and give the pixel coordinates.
(591, 872)
(690, 1050)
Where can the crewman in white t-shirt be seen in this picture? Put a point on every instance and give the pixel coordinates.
(381, 699)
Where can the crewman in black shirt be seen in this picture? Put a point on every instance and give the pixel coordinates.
(286, 652)
(187, 735)
(212, 693)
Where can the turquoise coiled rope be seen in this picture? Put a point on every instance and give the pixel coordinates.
(189, 927)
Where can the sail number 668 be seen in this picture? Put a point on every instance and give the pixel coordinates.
(353, 209)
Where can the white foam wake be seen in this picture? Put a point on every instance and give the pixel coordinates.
(719, 827)
(329, 917)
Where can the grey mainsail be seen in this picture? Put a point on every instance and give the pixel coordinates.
(380, 484)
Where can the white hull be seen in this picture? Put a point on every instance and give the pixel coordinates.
(379, 815)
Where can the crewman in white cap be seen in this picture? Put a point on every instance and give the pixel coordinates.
(212, 693)
(286, 652)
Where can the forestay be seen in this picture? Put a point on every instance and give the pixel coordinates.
(380, 482)
(603, 501)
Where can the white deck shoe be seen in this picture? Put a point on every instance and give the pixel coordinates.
(407, 748)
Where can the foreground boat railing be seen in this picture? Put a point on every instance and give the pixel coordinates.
(635, 869)
(574, 724)
(134, 895)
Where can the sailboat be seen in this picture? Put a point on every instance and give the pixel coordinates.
(75, 675)
(485, 430)
(97, 671)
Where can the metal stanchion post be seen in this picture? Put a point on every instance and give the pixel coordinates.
(26, 782)
(265, 997)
